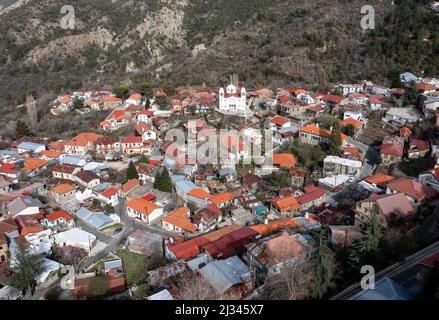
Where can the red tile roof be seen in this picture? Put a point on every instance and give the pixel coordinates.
(430, 261)
(374, 100)
(132, 139)
(425, 86)
(57, 145)
(180, 218)
(188, 249)
(421, 145)
(83, 138)
(8, 225)
(405, 132)
(392, 145)
(57, 215)
(281, 247)
(280, 121)
(109, 192)
(315, 130)
(351, 121)
(31, 164)
(284, 160)
(311, 193)
(328, 97)
(112, 99)
(380, 179)
(221, 197)
(200, 193)
(286, 204)
(412, 188)
(143, 206)
(218, 234)
(395, 206)
(231, 244)
(31, 229)
(64, 169)
(274, 226)
(51, 153)
(63, 188)
(130, 185)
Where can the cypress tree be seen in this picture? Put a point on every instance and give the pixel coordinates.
(132, 171)
(21, 129)
(325, 265)
(147, 103)
(366, 247)
(27, 267)
(163, 181)
(336, 142)
(166, 181)
(157, 181)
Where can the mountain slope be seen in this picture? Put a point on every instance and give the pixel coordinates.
(189, 42)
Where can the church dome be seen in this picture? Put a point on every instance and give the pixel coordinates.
(231, 88)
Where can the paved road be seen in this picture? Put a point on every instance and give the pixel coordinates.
(370, 158)
(115, 242)
(103, 237)
(42, 290)
(403, 273)
(136, 224)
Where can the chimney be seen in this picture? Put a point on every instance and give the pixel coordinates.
(330, 129)
(317, 124)
(265, 221)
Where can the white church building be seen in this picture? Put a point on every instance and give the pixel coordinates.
(232, 100)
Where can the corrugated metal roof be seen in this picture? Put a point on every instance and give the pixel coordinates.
(29, 146)
(385, 289)
(223, 274)
(186, 185)
(97, 220)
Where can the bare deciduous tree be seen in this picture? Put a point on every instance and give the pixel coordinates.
(192, 286)
(72, 256)
(294, 282)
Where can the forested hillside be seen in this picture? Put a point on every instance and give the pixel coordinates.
(186, 42)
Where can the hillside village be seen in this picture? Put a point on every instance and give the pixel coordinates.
(111, 213)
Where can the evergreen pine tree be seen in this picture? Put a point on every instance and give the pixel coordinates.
(163, 181)
(157, 181)
(26, 268)
(166, 181)
(366, 248)
(143, 159)
(325, 266)
(132, 171)
(336, 142)
(21, 129)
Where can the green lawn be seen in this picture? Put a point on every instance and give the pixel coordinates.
(110, 229)
(121, 131)
(141, 292)
(134, 265)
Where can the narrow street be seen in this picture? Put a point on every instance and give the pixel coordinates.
(370, 157)
(99, 235)
(114, 242)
